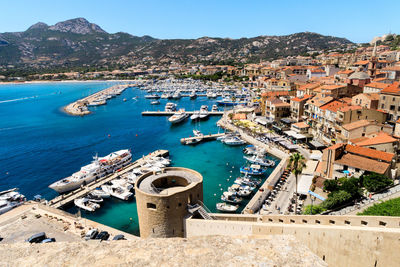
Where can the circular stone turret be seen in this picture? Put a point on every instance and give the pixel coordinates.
(163, 198)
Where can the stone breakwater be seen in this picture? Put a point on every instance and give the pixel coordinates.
(80, 107)
(274, 250)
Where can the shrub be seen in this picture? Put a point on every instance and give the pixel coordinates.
(336, 199)
(314, 209)
(387, 208)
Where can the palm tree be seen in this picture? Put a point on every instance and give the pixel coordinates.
(296, 164)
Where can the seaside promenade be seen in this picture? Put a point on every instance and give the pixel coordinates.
(80, 107)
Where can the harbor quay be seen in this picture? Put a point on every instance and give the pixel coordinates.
(168, 113)
(265, 189)
(80, 107)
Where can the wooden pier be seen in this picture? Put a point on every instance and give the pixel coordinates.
(207, 137)
(170, 113)
(66, 199)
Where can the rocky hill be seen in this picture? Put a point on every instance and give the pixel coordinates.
(77, 42)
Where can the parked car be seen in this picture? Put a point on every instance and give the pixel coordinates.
(49, 240)
(104, 235)
(119, 237)
(37, 238)
(91, 234)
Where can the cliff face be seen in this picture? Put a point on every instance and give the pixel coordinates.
(201, 251)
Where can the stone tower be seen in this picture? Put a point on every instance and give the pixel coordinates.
(163, 198)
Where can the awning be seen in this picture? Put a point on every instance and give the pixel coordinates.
(316, 155)
(304, 184)
(295, 135)
(317, 144)
(286, 120)
(262, 121)
(288, 145)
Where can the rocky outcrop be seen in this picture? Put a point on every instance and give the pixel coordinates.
(201, 251)
(78, 25)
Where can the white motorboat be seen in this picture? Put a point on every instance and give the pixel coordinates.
(117, 191)
(178, 117)
(231, 197)
(233, 141)
(257, 159)
(195, 115)
(94, 198)
(85, 204)
(193, 95)
(197, 133)
(8, 205)
(214, 108)
(152, 96)
(176, 95)
(239, 190)
(164, 96)
(170, 107)
(98, 192)
(97, 169)
(155, 102)
(227, 207)
(122, 183)
(203, 112)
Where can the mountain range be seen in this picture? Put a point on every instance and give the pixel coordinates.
(77, 42)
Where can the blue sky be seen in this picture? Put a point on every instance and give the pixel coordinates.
(357, 20)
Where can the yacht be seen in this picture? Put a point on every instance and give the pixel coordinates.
(257, 159)
(10, 199)
(97, 169)
(170, 107)
(178, 117)
(226, 207)
(233, 141)
(86, 204)
(8, 205)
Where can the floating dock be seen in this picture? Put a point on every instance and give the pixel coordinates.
(206, 137)
(68, 198)
(170, 113)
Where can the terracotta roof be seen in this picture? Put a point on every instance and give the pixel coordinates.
(394, 68)
(381, 138)
(275, 93)
(333, 106)
(301, 125)
(346, 72)
(363, 163)
(357, 140)
(361, 62)
(356, 124)
(332, 86)
(298, 99)
(370, 153)
(335, 146)
(319, 101)
(347, 108)
(392, 89)
(308, 86)
(370, 96)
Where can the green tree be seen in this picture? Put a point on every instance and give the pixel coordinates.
(352, 186)
(296, 165)
(313, 209)
(374, 182)
(336, 199)
(331, 185)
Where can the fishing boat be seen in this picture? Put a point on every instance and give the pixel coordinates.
(233, 141)
(226, 207)
(178, 117)
(257, 159)
(252, 170)
(155, 102)
(231, 197)
(86, 204)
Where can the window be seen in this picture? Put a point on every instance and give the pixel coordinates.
(383, 97)
(398, 108)
(382, 106)
(392, 107)
(394, 99)
(151, 206)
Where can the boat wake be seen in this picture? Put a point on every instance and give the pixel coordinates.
(18, 99)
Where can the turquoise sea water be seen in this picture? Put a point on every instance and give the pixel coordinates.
(39, 144)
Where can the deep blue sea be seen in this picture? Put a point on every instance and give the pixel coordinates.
(40, 144)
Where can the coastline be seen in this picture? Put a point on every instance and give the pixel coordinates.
(63, 81)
